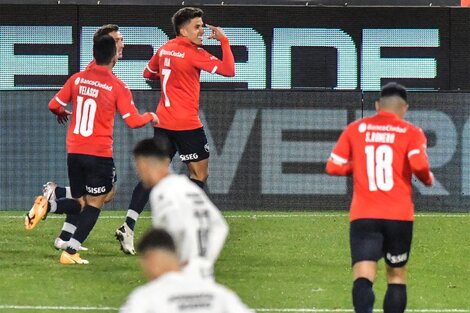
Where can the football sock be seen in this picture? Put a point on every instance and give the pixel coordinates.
(140, 197)
(198, 182)
(86, 221)
(63, 192)
(363, 295)
(395, 298)
(70, 225)
(61, 206)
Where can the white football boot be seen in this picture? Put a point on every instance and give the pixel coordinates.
(125, 235)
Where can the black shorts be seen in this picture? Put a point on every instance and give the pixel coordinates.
(90, 175)
(372, 239)
(191, 145)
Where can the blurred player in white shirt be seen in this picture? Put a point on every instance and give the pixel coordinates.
(172, 291)
(182, 208)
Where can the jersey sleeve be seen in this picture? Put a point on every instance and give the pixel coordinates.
(418, 157)
(128, 111)
(205, 61)
(218, 232)
(62, 98)
(339, 163)
(166, 215)
(152, 68)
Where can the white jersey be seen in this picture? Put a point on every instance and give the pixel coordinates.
(179, 292)
(198, 228)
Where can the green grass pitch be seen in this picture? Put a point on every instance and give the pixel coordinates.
(273, 260)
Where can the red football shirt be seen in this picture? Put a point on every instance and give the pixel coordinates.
(96, 93)
(178, 65)
(382, 152)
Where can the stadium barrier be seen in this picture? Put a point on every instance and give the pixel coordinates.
(268, 148)
(299, 75)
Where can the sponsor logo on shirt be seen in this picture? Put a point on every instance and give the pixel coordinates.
(189, 157)
(95, 83)
(95, 190)
(172, 53)
(384, 128)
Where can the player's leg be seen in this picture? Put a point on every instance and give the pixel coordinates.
(140, 197)
(42, 205)
(52, 191)
(366, 249)
(194, 151)
(199, 172)
(99, 181)
(397, 246)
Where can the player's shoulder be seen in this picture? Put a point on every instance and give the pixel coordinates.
(412, 127)
(171, 185)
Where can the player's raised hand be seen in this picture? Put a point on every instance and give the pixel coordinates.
(155, 120)
(217, 32)
(63, 117)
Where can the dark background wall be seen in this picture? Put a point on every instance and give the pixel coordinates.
(303, 73)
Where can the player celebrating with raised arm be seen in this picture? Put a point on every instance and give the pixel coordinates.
(96, 94)
(381, 152)
(181, 208)
(178, 65)
(172, 291)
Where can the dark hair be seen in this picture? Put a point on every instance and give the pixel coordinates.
(184, 16)
(104, 50)
(393, 89)
(152, 147)
(156, 239)
(105, 30)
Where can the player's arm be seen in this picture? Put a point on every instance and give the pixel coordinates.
(339, 163)
(151, 71)
(209, 63)
(418, 159)
(60, 101)
(129, 112)
(217, 234)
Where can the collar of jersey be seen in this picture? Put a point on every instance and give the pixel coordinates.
(100, 68)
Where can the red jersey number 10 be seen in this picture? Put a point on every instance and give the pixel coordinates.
(85, 117)
(379, 167)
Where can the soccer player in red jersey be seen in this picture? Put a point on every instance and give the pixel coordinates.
(50, 189)
(381, 152)
(178, 64)
(96, 94)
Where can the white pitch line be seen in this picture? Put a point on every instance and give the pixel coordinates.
(311, 310)
(57, 308)
(256, 216)
(351, 310)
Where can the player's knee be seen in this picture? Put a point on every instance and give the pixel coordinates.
(200, 175)
(110, 195)
(396, 275)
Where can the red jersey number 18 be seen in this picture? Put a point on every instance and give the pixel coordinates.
(85, 117)
(379, 167)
